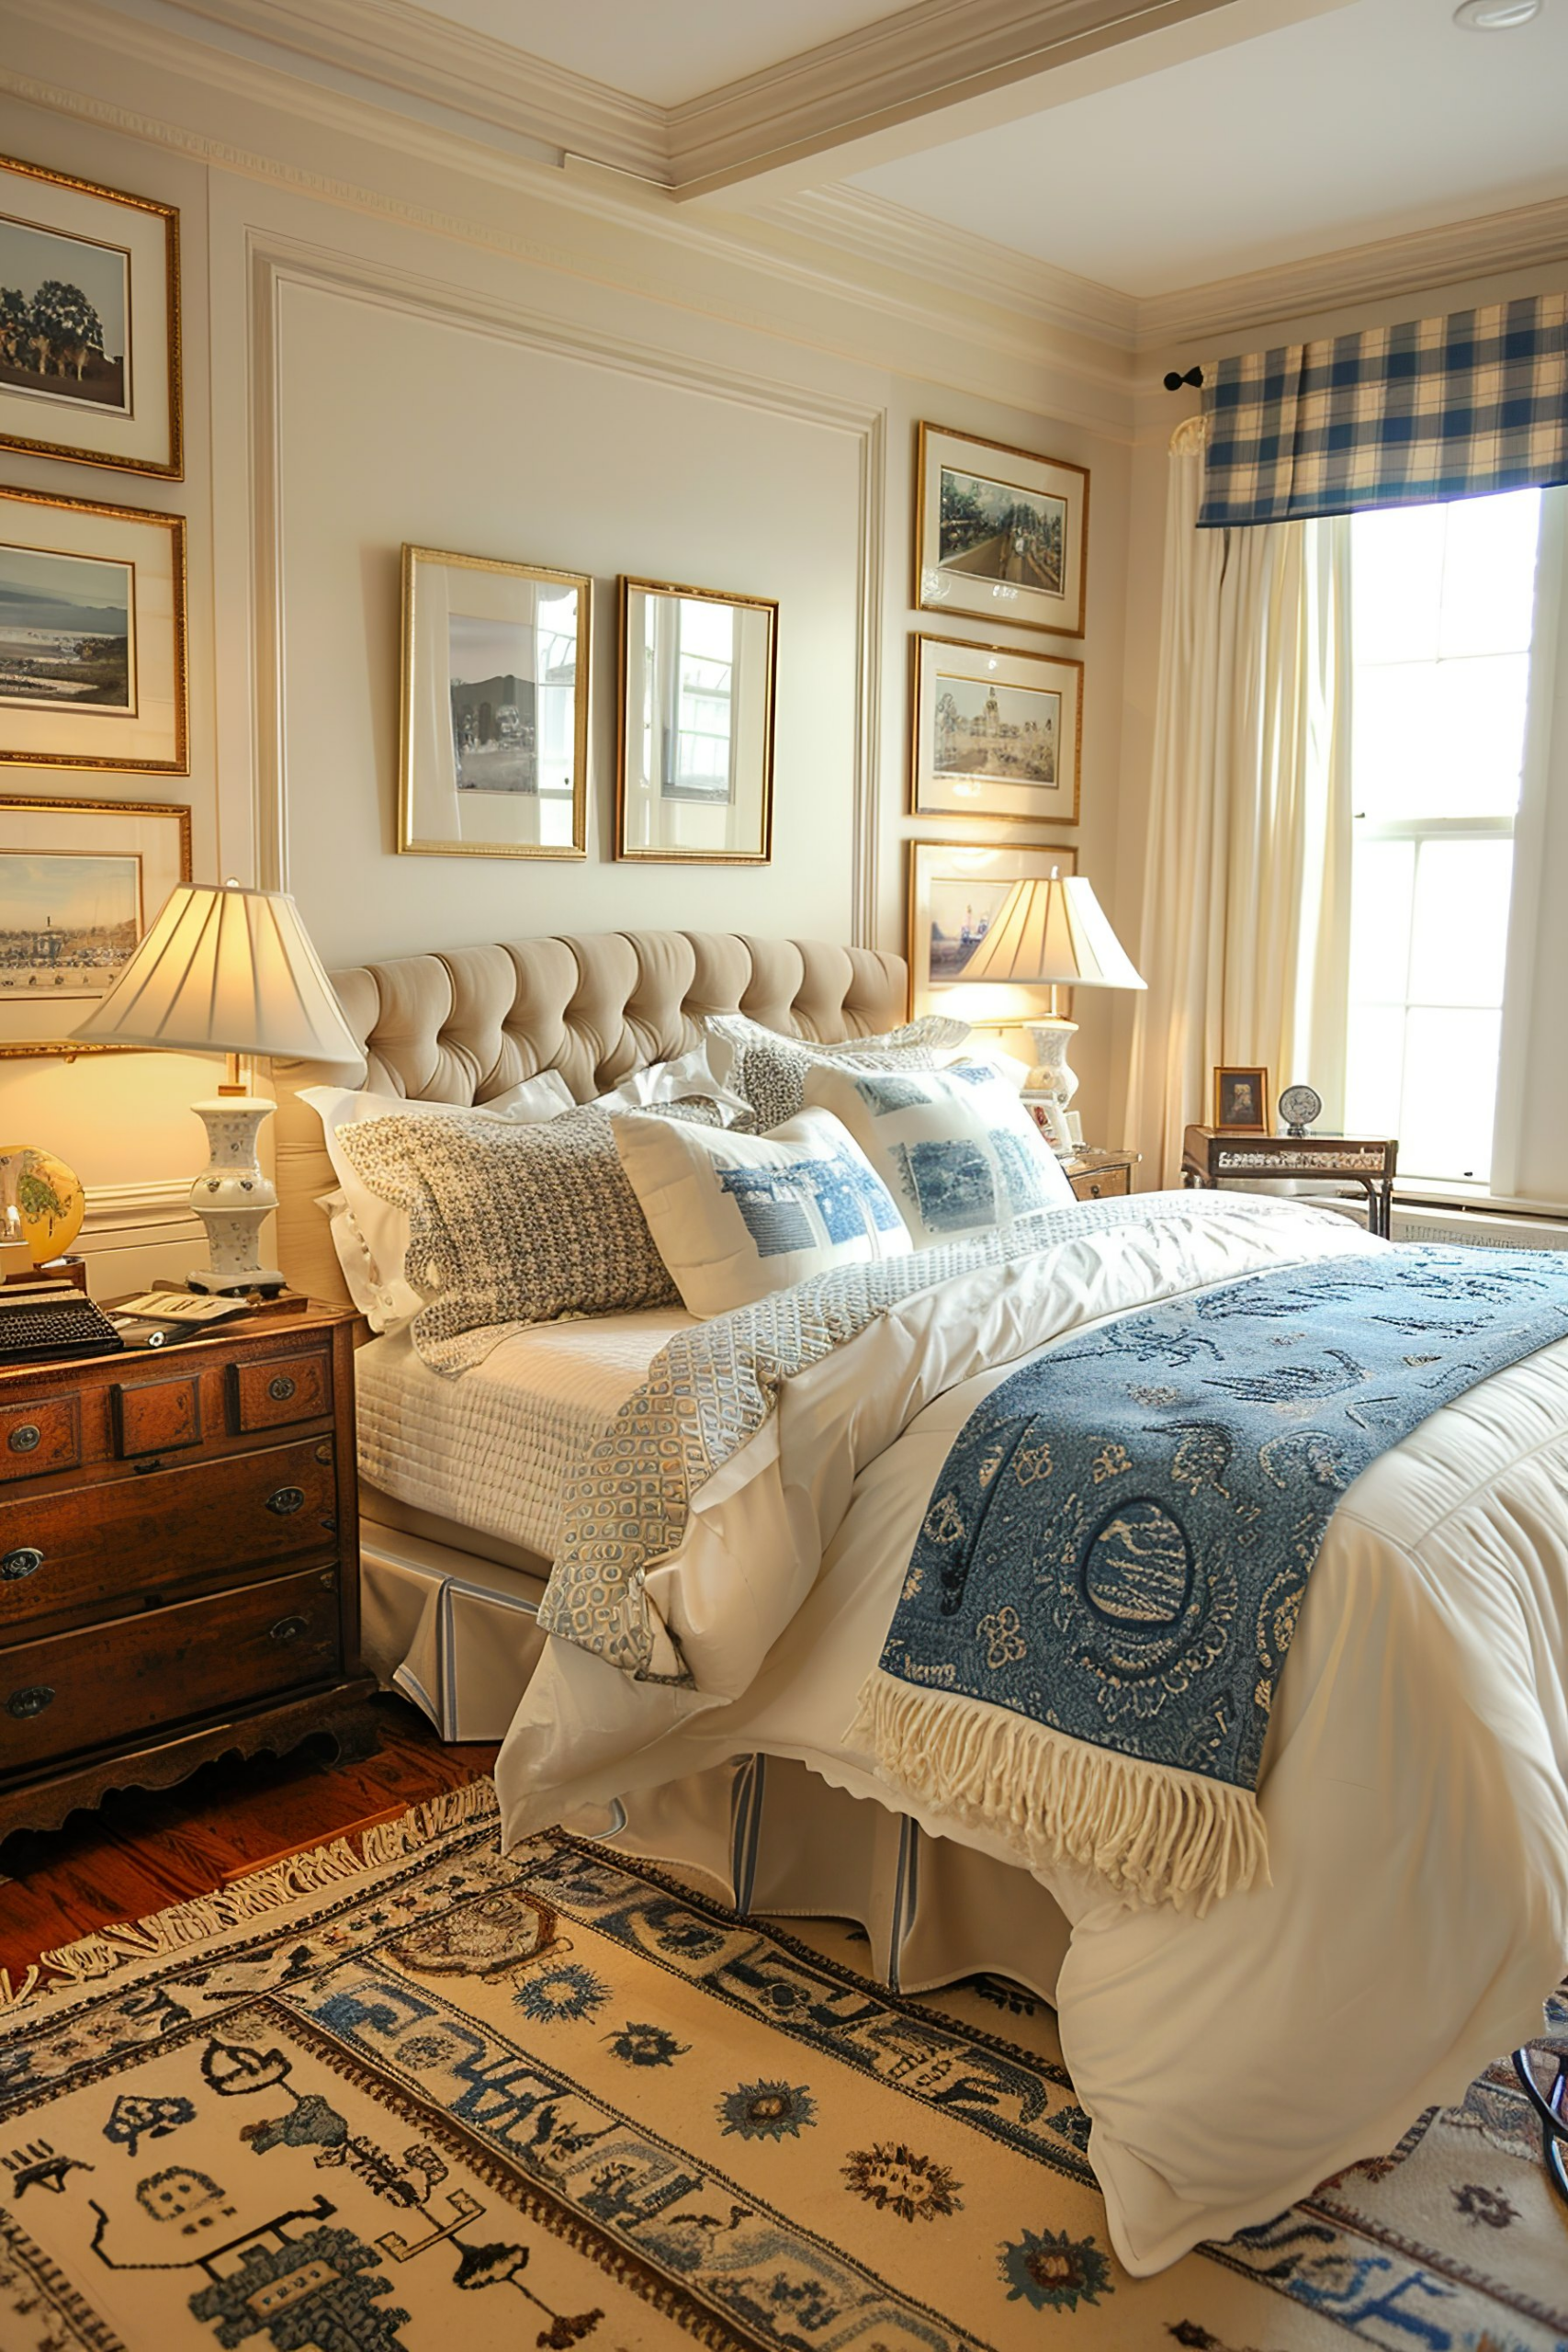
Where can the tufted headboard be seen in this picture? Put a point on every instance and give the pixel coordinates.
(465, 1023)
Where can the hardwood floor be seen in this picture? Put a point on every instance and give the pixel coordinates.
(139, 1852)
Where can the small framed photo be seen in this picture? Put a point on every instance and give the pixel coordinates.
(698, 682)
(994, 733)
(957, 891)
(1000, 534)
(92, 635)
(89, 322)
(1241, 1102)
(494, 736)
(80, 881)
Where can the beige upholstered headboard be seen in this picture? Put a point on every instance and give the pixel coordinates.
(466, 1024)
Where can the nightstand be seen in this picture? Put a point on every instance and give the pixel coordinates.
(1100, 1175)
(1210, 1153)
(178, 1559)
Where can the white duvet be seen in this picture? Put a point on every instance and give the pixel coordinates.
(1416, 1780)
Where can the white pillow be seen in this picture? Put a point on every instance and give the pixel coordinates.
(690, 1077)
(738, 1216)
(955, 1147)
(370, 1236)
(769, 1070)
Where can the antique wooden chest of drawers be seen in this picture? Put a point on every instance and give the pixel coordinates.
(179, 1571)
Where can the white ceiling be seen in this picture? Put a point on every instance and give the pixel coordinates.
(663, 51)
(1382, 117)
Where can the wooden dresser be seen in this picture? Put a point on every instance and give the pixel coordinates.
(177, 1559)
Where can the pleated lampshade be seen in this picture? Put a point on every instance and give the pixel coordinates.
(225, 970)
(1051, 931)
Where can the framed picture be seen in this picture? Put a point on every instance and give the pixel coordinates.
(1000, 533)
(494, 737)
(92, 635)
(80, 881)
(994, 733)
(1241, 1102)
(698, 676)
(957, 891)
(89, 322)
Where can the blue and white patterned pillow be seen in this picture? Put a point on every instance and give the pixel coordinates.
(955, 1147)
(735, 1216)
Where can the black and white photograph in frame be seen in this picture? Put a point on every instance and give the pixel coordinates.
(494, 728)
(80, 881)
(92, 635)
(89, 322)
(995, 733)
(1000, 534)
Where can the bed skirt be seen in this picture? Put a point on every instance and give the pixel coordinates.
(458, 1635)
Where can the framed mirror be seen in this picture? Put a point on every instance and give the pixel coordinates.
(694, 755)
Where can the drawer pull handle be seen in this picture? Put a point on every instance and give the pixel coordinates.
(1094, 1191)
(280, 1389)
(31, 1702)
(286, 1501)
(24, 1561)
(23, 1440)
(288, 1629)
(324, 1452)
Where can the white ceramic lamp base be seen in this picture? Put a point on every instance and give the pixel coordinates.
(1054, 1077)
(234, 1198)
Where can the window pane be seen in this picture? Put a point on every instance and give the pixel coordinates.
(1384, 873)
(1480, 719)
(1460, 932)
(1396, 560)
(1375, 1075)
(1489, 573)
(1450, 1086)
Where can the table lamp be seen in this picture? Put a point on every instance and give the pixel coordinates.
(1051, 933)
(230, 971)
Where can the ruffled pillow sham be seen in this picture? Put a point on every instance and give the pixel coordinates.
(955, 1147)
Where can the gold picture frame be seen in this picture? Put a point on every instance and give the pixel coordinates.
(86, 268)
(1242, 1086)
(93, 656)
(88, 867)
(954, 887)
(493, 761)
(719, 809)
(1016, 756)
(1001, 533)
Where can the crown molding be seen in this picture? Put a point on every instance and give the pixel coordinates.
(394, 46)
(855, 221)
(1533, 236)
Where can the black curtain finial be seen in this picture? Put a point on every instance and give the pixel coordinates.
(1174, 382)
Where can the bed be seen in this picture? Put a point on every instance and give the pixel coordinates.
(1415, 1777)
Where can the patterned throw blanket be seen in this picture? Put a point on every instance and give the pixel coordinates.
(1112, 1565)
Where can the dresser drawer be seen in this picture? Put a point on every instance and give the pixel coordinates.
(158, 1530)
(132, 1678)
(1100, 1184)
(40, 1434)
(280, 1389)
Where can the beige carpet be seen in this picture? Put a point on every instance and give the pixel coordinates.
(438, 2101)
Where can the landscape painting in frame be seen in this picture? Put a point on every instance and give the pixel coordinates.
(995, 733)
(957, 891)
(494, 733)
(89, 322)
(1000, 533)
(80, 880)
(92, 635)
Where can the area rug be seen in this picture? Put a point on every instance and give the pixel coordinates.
(423, 2098)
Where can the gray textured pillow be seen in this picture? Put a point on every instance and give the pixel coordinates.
(770, 1071)
(513, 1225)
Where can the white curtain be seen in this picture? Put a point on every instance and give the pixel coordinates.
(1247, 898)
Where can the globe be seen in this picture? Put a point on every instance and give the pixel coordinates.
(41, 1200)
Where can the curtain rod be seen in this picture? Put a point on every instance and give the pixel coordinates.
(1194, 375)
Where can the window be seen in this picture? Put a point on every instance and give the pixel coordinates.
(704, 677)
(1443, 603)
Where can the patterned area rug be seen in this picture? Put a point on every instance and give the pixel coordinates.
(428, 2098)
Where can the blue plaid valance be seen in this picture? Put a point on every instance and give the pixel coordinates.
(1398, 417)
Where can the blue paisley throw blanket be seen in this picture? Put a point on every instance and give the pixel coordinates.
(1110, 1568)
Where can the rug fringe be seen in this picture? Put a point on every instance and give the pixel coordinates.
(1157, 1834)
(266, 1889)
